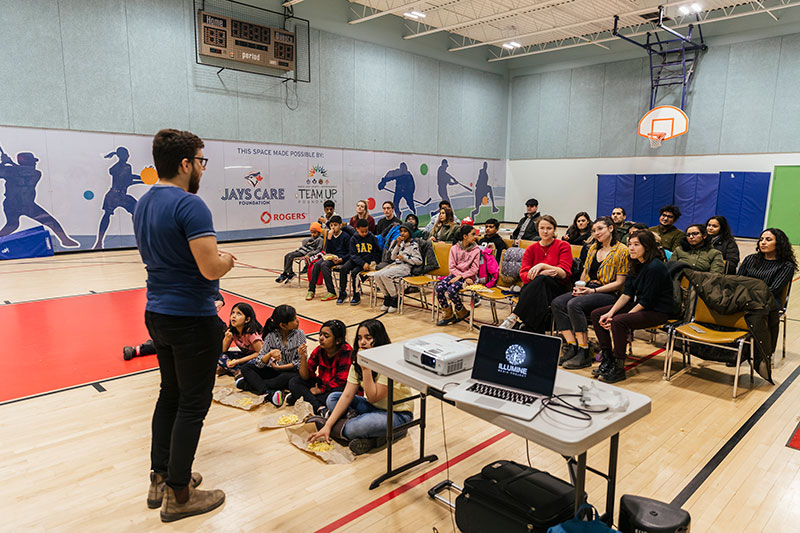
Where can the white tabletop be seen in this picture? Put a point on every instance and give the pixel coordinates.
(554, 431)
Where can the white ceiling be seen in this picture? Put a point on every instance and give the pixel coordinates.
(541, 26)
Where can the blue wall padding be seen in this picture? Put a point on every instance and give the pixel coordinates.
(742, 199)
(33, 242)
(696, 196)
(651, 192)
(614, 190)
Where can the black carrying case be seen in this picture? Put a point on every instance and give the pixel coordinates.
(510, 497)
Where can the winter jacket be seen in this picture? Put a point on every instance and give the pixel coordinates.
(406, 252)
(429, 261)
(621, 231)
(776, 274)
(730, 252)
(669, 237)
(530, 233)
(704, 258)
(729, 295)
(311, 245)
(499, 244)
(463, 262)
(445, 233)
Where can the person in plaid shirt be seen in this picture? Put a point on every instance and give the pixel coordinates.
(324, 371)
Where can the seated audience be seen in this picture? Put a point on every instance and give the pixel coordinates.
(323, 372)
(329, 209)
(365, 429)
(362, 213)
(404, 252)
(719, 232)
(774, 262)
(580, 230)
(435, 216)
(364, 249)
(604, 274)
(668, 234)
(309, 247)
(446, 228)
(388, 220)
(621, 226)
(645, 302)
(337, 251)
(696, 251)
(490, 236)
(526, 229)
(244, 331)
(413, 221)
(278, 361)
(545, 271)
(463, 261)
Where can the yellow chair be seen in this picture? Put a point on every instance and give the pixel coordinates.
(697, 331)
(442, 252)
(576, 250)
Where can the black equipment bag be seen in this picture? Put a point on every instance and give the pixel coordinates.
(510, 497)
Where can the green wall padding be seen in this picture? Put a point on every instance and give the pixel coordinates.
(784, 206)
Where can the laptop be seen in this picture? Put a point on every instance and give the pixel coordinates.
(513, 370)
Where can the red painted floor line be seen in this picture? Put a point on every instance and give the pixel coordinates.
(794, 442)
(346, 519)
(639, 360)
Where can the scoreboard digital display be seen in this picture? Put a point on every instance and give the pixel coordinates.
(236, 40)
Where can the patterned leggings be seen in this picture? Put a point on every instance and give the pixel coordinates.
(445, 290)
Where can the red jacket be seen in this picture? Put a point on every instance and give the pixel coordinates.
(558, 254)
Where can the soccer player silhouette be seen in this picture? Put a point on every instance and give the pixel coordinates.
(20, 197)
(482, 188)
(117, 195)
(404, 186)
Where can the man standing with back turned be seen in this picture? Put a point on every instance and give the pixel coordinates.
(176, 239)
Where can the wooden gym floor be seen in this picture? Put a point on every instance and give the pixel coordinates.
(77, 459)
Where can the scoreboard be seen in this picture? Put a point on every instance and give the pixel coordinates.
(235, 40)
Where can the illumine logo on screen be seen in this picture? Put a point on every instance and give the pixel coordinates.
(515, 355)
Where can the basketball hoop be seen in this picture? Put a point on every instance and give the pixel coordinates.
(656, 138)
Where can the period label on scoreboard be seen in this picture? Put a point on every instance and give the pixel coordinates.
(235, 40)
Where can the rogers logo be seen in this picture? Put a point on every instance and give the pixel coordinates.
(267, 217)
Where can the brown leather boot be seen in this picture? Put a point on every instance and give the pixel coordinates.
(195, 502)
(461, 315)
(447, 316)
(156, 492)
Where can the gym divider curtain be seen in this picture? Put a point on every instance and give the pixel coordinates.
(651, 192)
(696, 196)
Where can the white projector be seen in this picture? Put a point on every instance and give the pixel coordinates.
(440, 353)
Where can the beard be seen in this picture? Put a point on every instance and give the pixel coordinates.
(194, 181)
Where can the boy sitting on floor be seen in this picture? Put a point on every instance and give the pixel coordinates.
(309, 247)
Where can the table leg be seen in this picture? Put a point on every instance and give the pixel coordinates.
(580, 481)
(613, 454)
(390, 432)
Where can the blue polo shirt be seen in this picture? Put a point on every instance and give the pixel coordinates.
(165, 220)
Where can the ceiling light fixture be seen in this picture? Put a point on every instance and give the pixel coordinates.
(411, 16)
(418, 13)
(697, 8)
(684, 10)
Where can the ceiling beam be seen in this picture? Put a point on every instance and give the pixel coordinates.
(391, 11)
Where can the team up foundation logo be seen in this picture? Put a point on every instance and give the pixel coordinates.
(253, 195)
(317, 188)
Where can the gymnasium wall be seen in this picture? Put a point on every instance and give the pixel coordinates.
(741, 101)
(566, 186)
(128, 66)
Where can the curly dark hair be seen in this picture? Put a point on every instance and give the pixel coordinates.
(170, 147)
(783, 248)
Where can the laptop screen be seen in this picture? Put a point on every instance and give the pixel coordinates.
(518, 359)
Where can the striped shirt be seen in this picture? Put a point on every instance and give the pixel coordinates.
(289, 353)
(615, 264)
(776, 274)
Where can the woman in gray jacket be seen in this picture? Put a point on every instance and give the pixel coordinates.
(696, 251)
(404, 254)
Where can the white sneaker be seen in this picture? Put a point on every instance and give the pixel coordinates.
(508, 323)
(384, 308)
(391, 309)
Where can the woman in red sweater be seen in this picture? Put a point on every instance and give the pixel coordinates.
(546, 267)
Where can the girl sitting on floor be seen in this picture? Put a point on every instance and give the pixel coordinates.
(244, 331)
(279, 359)
(324, 371)
(367, 429)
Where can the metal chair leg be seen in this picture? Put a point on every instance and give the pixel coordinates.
(738, 362)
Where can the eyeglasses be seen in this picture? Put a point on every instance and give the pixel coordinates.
(203, 161)
(667, 215)
(693, 234)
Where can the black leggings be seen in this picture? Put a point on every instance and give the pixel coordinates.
(533, 308)
(261, 380)
(301, 388)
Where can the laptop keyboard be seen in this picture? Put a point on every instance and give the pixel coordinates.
(503, 394)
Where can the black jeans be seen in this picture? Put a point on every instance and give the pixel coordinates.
(352, 268)
(622, 324)
(288, 261)
(324, 267)
(301, 388)
(261, 380)
(188, 349)
(533, 307)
